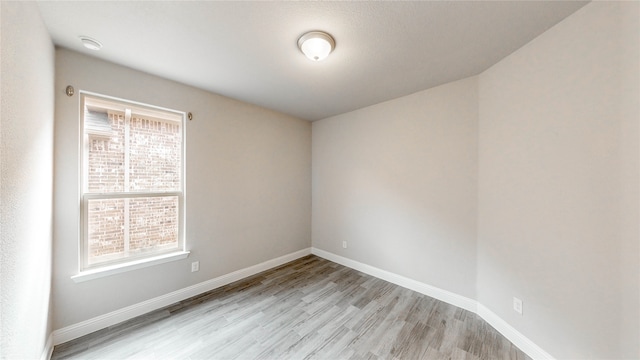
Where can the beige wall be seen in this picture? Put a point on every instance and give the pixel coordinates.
(629, 179)
(397, 181)
(558, 185)
(247, 192)
(26, 164)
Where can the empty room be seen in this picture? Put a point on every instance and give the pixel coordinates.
(320, 180)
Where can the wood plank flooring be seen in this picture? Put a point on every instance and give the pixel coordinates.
(310, 308)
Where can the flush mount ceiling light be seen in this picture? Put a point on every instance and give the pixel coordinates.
(90, 43)
(316, 45)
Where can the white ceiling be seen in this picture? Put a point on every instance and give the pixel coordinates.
(248, 50)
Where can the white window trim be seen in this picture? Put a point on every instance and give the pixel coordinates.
(128, 266)
(86, 272)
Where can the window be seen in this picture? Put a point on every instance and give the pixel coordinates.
(132, 182)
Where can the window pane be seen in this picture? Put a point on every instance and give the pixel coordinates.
(155, 154)
(124, 227)
(153, 224)
(105, 230)
(106, 153)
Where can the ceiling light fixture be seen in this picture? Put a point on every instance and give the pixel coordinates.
(316, 45)
(90, 43)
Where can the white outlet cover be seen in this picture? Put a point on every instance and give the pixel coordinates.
(195, 266)
(517, 305)
(344, 244)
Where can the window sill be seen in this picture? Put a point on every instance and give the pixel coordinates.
(133, 265)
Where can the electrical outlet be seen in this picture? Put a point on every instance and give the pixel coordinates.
(344, 244)
(517, 305)
(195, 266)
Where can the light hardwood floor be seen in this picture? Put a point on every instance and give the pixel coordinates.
(310, 308)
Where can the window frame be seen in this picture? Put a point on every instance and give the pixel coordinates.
(147, 111)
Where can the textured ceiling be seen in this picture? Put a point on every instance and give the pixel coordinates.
(248, 50)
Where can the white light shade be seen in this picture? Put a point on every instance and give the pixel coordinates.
(90, 43)
(316, 45)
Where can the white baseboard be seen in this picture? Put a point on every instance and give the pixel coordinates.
(519, 340)
(75, 331)
(440, 294)
(100, 322)
(48, 348)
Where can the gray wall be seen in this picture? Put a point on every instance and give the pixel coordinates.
(547, 140)
(25, 181)
(398, 182)
(558, 185)
(552, 133)
(248, 189)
